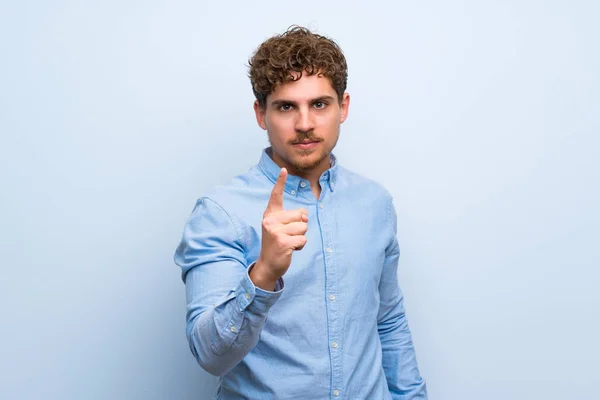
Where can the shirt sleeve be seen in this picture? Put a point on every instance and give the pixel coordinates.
(399, 359)
(225, 310)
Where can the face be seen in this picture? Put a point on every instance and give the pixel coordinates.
(302, 119)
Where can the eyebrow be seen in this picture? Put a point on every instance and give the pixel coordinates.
(280, 102)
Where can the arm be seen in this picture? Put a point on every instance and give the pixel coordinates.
(399, 359)
(225, 310)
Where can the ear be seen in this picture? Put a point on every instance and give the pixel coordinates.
(344, 106)
(260, 115)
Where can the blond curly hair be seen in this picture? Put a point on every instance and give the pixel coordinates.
(284, 58)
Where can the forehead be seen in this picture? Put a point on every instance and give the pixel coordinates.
(306, 88)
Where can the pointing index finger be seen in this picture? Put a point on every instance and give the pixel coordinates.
(276, 199)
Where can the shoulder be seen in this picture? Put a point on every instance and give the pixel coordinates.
(224, 208)
(228, 195)
(368, 195)
(352, 181)
(238, 202)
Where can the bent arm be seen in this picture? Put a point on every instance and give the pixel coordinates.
(225, 310)
(221, 335)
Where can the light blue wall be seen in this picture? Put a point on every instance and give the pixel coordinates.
(481, 117)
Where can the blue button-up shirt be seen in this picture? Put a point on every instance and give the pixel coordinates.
(334, 328)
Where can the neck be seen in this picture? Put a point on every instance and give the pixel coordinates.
(311, 175)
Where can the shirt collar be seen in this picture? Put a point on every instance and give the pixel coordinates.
(293, 182)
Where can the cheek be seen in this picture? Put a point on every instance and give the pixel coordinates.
(330, 123)
(272, 124)
(279, 128)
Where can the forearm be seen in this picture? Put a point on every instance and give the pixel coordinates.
(222, 335)
(399, 358)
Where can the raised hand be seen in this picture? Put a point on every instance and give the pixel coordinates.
(282, 234)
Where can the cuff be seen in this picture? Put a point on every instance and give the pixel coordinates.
(254, 298)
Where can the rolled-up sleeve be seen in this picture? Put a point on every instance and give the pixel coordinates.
(225, 310)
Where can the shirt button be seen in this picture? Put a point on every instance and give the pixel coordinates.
(331, 297)
(293, 192)
(247, 295)
(336, 393)
(334, 345)
(329, 250)
(320, 205)
(303, 184)
(233, 329)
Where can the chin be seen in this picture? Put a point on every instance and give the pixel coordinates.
(309, 161)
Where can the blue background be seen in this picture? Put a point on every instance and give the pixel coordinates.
(481, 117)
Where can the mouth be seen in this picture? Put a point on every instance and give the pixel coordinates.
(305, 144)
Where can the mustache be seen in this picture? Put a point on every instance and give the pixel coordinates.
(305, 137)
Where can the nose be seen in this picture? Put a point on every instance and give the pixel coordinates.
(304, 120)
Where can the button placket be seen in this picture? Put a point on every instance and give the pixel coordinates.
(334, 319)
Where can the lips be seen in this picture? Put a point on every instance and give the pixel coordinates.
(306, 144)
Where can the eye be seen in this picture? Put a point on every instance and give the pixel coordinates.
(320, 105)
(285, 107)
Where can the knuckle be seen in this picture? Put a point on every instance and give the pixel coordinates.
(266, 222)
(269, 222)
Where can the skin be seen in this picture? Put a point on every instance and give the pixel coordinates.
(301, 111)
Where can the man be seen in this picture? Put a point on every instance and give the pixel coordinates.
(291, 269)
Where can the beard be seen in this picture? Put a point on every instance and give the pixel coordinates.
(305, 160)
(307, 163)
